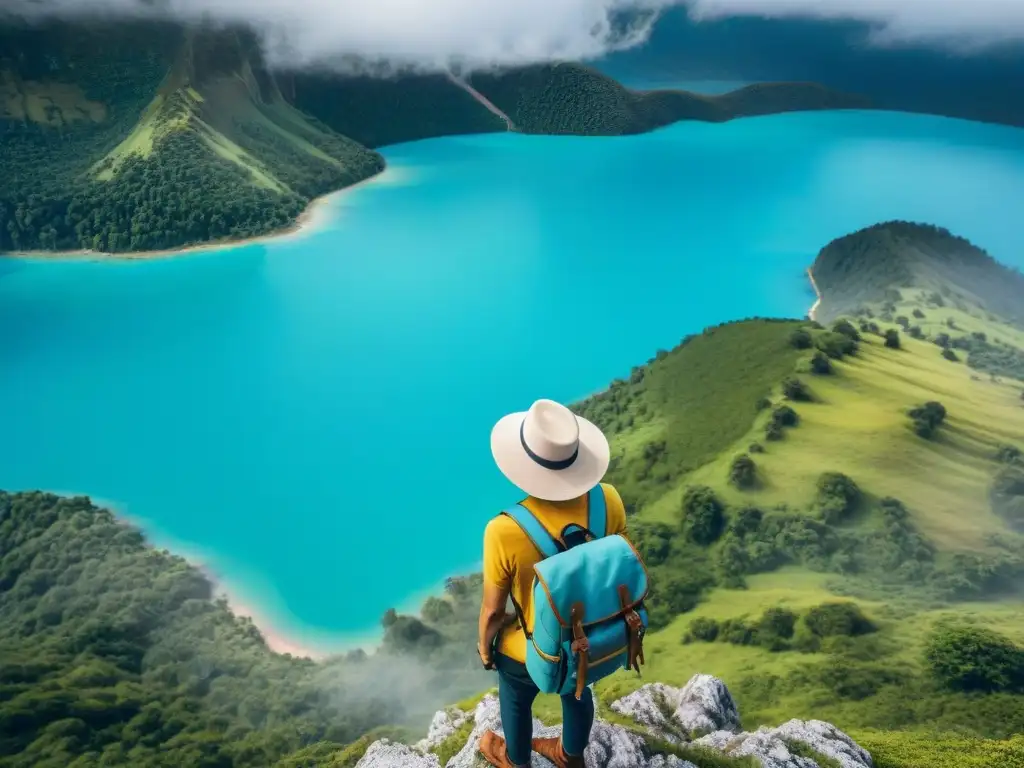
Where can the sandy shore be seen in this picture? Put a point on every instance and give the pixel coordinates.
(813, 311)
(308, 222)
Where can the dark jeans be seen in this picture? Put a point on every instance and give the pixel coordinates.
(516, 692)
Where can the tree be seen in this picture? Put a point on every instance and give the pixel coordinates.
(743, 472)
(837, 619)
(892, 338)
(926, 418)
(801, 339)
(919, 314)
(820, 364)
(974, 659)
(703, 515)
(794, 389)
(950, 355)
(845, 328)
(837, 496)
(942, 340)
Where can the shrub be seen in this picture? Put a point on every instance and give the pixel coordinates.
(794, 389)
(837, 496)
(785, 416)
(918, 314)
(842, 619)
(915, 332)
(836, 345)
(743, 472)
(974, 659)
(772, 431)
(951, 323)
(903, 321)
(801, 339)
(869, 327)
(845, 328)
(702, 629)
(703, 515)
(892, 339)
(775, 628)
(762, 404)
(755, 448)
(747, 520)
(950, 355)
(820, 364)
(927, 418)
(942, 340)
(736, 632)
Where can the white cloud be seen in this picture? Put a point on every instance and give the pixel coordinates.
(436, 33)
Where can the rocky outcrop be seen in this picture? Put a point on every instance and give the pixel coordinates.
(699, 717)
(703, 706)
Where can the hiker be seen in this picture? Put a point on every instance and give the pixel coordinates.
(587, 618)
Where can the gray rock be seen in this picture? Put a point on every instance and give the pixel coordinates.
(674, 714)
(828, 740)
(706, 705)
(611, 746)
(771, 746)
(385, 754)
(443, 725)
(703, 705)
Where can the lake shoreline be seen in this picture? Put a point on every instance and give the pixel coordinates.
(812, 313)
(308, 222)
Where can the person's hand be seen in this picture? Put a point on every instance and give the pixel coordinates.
(485, 659)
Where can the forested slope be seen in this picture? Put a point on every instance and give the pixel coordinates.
(147, 137)
(133, 137)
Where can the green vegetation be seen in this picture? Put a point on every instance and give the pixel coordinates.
(927, 750)
(146, 136)
(569, 98)
(927, 418)
(117, 654)
(187, 141)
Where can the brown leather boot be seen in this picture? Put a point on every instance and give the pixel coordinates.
(552, 749)
(492, 747)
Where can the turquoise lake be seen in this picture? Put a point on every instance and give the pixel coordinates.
(312, 416)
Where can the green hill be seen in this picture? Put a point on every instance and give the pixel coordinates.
(570, 98)
(134, 137)
(150, 137)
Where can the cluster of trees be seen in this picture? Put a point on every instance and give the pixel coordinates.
(118, 654)
(927, 418)
(781, 629)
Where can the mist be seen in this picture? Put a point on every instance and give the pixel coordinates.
(477, 34)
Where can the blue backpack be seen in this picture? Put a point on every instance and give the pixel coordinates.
(588, 602)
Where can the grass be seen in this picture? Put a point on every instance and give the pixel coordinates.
(891, 749)
(666, 425)
(47, 103)
(857, 425)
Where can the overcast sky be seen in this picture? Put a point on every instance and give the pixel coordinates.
(481, 32)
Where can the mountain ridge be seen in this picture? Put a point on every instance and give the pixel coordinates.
(106, 139)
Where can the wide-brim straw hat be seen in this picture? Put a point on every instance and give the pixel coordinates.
(549, 452)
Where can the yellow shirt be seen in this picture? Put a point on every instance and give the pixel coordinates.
(509, 555)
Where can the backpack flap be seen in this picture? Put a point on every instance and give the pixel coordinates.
(596, 570)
